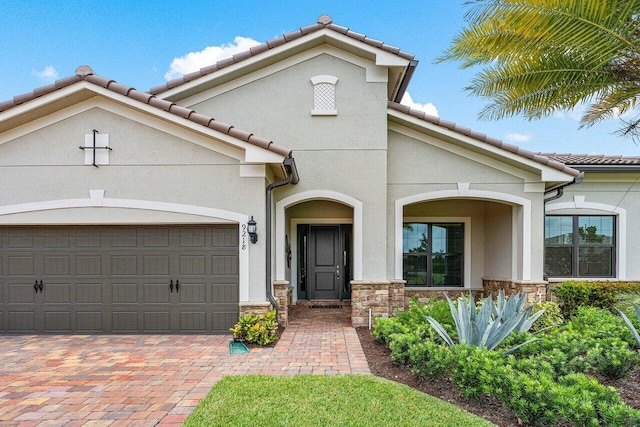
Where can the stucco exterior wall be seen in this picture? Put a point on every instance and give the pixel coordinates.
(421, 167)
(279, 106)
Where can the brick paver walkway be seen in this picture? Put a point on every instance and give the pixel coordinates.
(150, 380)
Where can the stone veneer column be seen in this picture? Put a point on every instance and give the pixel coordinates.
(396, 296)
(254, 308)
(281, 294)
(384, 298)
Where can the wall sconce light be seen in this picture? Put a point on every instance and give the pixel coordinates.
(252, 229)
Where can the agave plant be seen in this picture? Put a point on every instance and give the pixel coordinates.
(635, 333)
(490, 325)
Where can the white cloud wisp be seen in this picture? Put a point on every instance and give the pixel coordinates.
(48, 75)
(428, 108)
(193, 61)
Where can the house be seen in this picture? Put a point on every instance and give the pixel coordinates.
(287, 173)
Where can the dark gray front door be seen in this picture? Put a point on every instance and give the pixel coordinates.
(325, 276)
(99, 279)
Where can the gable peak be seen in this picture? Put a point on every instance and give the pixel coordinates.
(324, 20)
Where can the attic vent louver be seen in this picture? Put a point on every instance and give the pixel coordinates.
(324, 95)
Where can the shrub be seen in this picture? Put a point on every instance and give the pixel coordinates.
(572, 295)
(413, 320)
(550, 318)
(593, 341)
(254, 328)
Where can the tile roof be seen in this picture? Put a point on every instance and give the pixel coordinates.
(592, 159)
(324, 21)
(86, 73)
(536, 157)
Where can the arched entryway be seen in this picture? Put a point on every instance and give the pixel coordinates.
(319, 244)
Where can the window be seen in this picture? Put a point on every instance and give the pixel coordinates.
(433, 254)
(579, 246)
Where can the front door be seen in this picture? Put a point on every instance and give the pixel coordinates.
(325, 265)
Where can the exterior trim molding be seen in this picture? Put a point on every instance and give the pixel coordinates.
(209, 215)
(329, 195)
(463, 193)
(621, 238)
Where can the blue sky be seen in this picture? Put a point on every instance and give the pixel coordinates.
(136, 43)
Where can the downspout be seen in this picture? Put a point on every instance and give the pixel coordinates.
(559, 192)
(291, 177)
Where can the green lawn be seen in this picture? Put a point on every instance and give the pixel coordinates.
(323, 400)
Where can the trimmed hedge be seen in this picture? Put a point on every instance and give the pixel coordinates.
(572, 294)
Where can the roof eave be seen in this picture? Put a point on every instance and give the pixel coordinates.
(550, 170)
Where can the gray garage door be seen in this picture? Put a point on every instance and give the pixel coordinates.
(99, 279)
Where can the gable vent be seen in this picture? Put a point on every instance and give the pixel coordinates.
(324, 95)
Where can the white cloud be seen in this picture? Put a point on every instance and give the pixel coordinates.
(48, 75)
(193, 61)
(518, 137)
(428, 108)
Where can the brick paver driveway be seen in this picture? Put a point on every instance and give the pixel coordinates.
(68, 380)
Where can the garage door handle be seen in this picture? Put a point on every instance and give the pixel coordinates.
(38, 286)
(177, 285)
(171, 285)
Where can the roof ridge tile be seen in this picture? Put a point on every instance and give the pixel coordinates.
(324, 21)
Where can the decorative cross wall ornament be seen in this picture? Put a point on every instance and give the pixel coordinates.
(91, 154)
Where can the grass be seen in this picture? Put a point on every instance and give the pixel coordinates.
(323, 400)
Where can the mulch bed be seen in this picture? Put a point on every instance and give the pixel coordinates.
(491, 409)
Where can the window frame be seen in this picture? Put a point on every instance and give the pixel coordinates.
(576, 246)
(428, 255)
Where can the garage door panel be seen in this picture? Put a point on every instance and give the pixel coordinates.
(224, 236)
(19, 238)
(88, 265)
(193, 265)
(124, 293)
(124, 265)
(57, 321)
(192, 237)
(57, 265)
(124, 237)
(192, 293)
(154, 265)
(156, 237)
(157, 321)
(89, 321)
(57, 293)
(88, 238)
(21, 293)
(222, 321)
(56, 238)
(156, 293)
(21, 265)
(22, 321)
(221, 293)
(89, 293)
(193, 321)
(224, 265)
(124, 321)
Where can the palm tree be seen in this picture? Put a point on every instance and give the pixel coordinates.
(542, 56)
